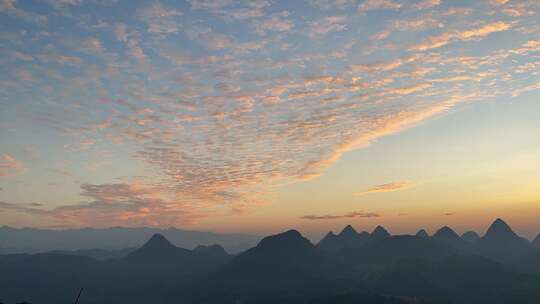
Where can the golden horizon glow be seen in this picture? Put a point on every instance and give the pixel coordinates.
(260, 116)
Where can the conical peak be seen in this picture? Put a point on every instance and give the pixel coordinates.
(379, 229)
(157, 244)
(422, 233)
(158, 240)
(348, 230)
(446, 233)
(500, 229)
(380, 232)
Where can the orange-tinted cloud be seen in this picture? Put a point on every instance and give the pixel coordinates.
(355, 214)
(9, 165)
(448, 37)
(216, 128)
(389, 187)
(370, 5)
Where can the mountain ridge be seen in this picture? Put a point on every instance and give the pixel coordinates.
(281, 268)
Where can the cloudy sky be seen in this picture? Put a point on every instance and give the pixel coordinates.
(258, 116)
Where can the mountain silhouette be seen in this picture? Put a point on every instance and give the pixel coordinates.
(33, 240)
(348, 231)
(379, 233)
(282, 263)
(536, 242)
(159, 258)
(288, 268)
(98, 254)
(157, 242)
(470, 236)
(422, 233)
(288, 242)
(447, 234)
(159, 248)
(449, 237)
(347, 238)
(212, 250)
(377, 255)
(330, 242)
(500, 231)
(502, 244)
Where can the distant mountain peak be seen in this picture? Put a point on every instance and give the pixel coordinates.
(328, 241)
(329, 235)
(446, 233)
(288, 238)
(214, 250)
(422, 233)
(380, 232)
(156, 246)
(348, 230)
(158, 241)
(499, 229)
(292, 233)
(470, 236)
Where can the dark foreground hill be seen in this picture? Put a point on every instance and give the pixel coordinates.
(288, 268)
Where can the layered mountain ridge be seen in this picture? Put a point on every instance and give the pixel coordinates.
(288, 268)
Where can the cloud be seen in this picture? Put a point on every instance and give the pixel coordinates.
(390, 187)
(126, 204)
(425, 4)
(92, 45)
(121, 32)
(497, 2)
(9, 165)
(209, 4)
(409, 89)
(355, 214)
(369, 5)
(215, 41)
(327, 25)
(237, 98)
(277, 22)
(8, 5)
(528, 88)
(331, 4)
(233, 10)
(160, 19)
(135, 51)
(23, 208)
(61, 3)
(448, 37)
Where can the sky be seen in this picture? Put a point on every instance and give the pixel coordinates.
(260, 116)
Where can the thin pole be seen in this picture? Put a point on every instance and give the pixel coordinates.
(78, 296)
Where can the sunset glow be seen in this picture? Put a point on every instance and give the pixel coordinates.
(258, 116)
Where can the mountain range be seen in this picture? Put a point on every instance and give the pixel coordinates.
(31, 240)
(350, 267)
